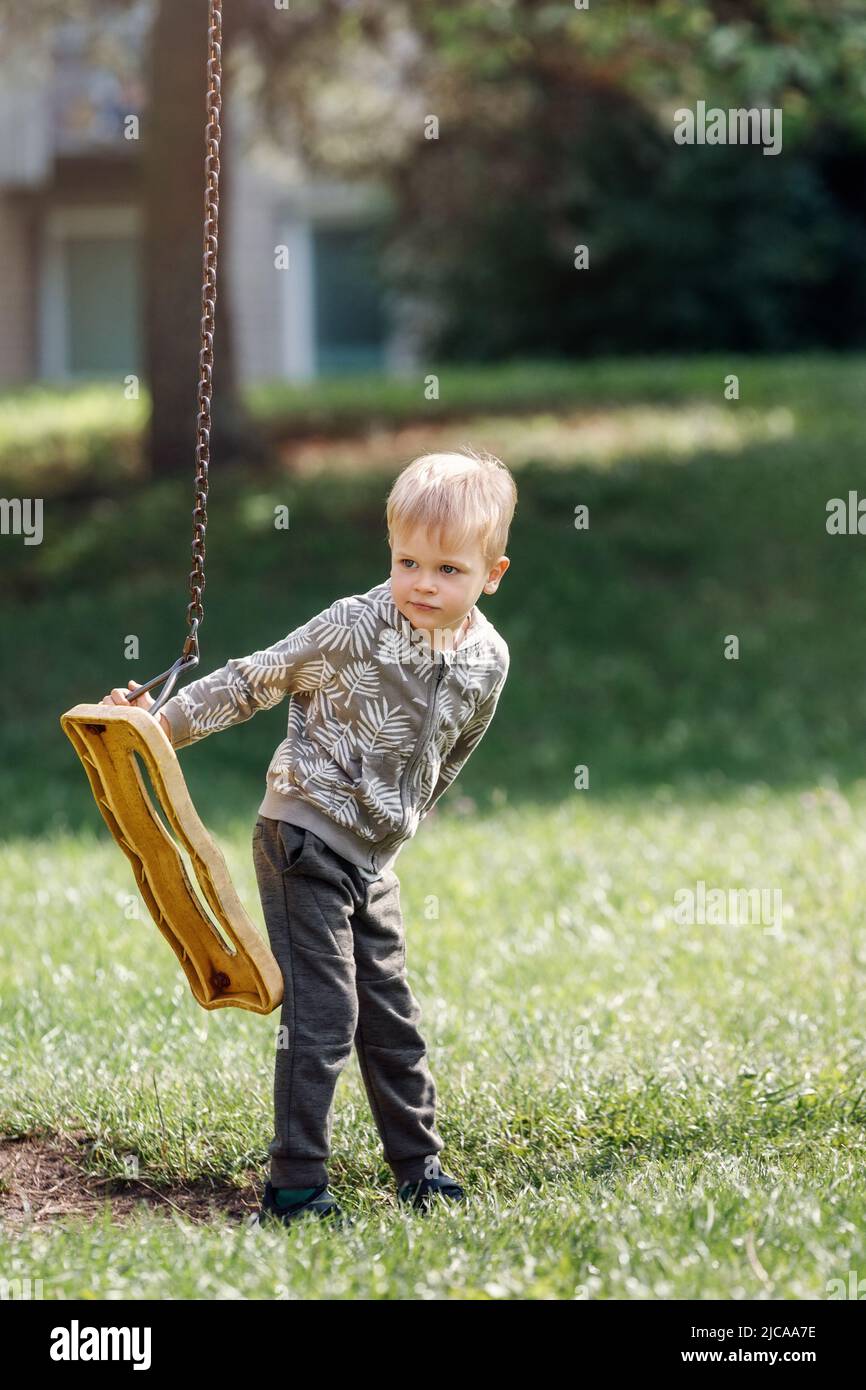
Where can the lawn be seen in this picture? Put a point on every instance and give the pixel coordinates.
(638, 1107)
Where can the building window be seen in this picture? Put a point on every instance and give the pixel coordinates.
(90, 293)
(102, 310)
(350, 321)
(98, 79)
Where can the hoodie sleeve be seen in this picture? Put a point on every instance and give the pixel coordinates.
(467, 740)
(247, 684)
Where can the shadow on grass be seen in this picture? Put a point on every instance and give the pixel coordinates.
(617, 632)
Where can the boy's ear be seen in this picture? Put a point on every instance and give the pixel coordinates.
(496, 573)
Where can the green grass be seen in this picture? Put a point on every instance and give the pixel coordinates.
(639, 1108)
(71, 438)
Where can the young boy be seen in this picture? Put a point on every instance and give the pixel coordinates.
(390, 691)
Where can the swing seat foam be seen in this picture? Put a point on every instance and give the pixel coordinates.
(235, 968)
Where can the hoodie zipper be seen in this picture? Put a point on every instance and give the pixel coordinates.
(416, 757)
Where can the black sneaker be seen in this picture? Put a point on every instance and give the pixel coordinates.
(421, 1194)
(319, 1202)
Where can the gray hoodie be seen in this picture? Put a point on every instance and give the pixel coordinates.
(380, 721)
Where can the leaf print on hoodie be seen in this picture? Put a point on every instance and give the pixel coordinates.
(379, 722)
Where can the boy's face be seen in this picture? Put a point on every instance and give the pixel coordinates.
(447, 582)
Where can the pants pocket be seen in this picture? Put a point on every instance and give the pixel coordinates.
(319, 916)
(294, 842)
(320, 894)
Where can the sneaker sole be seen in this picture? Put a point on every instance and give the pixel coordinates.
(337, 1219)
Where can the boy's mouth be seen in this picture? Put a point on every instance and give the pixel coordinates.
(428, 607)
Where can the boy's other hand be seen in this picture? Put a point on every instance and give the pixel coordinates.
(118, 697)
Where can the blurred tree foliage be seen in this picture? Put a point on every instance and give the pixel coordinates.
(555, 129)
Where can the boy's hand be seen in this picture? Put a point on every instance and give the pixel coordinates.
(118, 697)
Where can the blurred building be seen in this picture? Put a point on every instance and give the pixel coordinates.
(70, 230)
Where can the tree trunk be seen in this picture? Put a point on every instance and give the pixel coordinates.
(173, 161)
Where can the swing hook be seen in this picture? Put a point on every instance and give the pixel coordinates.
(188, 657)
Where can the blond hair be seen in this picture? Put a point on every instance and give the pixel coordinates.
(464, 497)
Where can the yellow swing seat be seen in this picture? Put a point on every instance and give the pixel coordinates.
(110, 740)
(227, 962)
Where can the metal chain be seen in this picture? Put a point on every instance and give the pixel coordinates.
(195, 609)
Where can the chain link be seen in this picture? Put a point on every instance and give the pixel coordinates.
(195, 608)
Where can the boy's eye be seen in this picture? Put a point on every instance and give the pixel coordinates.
(453, 568)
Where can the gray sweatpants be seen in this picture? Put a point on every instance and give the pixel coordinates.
(338, 940)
